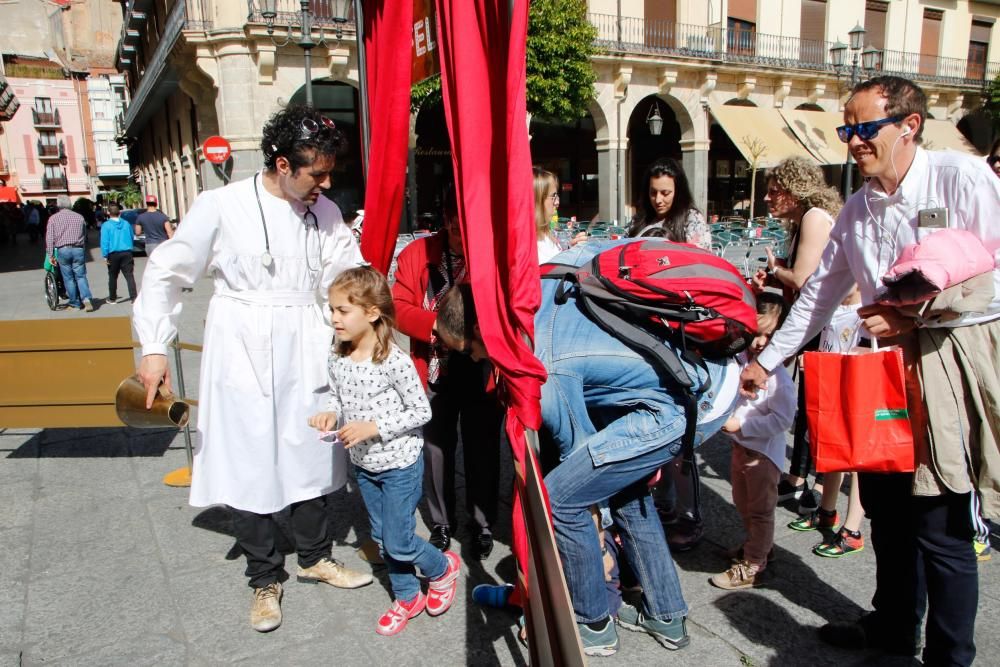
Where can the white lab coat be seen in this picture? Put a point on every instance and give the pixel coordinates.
(267, 339)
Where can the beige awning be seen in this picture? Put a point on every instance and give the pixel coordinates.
(941, 135)
(817, 130)
(750, 127)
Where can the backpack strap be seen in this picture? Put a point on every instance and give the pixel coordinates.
(665, 357)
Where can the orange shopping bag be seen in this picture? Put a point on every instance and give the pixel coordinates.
(856, 411)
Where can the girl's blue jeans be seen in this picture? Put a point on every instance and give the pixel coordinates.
(391, 497)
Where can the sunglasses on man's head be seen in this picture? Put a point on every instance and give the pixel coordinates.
(866, 131)
(310, 126)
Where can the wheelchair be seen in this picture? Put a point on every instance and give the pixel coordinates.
(54, 287)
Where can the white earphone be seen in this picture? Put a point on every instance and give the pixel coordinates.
(906, 131)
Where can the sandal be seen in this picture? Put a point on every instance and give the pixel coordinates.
(844, 543)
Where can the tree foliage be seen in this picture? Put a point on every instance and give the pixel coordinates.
(561, 78)
(560, 43)
(991, 102)
(128, 197)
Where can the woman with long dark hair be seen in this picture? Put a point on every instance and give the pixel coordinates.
(667, 204)
(668, 212)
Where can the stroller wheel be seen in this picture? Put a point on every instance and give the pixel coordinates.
(51, 291)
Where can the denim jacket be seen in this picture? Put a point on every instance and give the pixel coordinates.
(603, 395)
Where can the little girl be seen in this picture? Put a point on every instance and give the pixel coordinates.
(378, 398)
(757, 428)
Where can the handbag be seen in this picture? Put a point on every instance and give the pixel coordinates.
(856, 410)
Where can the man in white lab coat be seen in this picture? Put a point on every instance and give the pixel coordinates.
(272, 244)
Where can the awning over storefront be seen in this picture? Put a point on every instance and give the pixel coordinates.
(942, 135)
(745, 125)
(9, 194)
(817, 130)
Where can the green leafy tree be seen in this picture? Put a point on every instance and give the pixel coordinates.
(560, 43)
(991, 102)
(561, 78)
(128, 197)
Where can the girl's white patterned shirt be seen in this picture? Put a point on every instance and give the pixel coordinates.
(391, 395)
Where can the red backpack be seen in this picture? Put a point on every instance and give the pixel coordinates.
(651, 289)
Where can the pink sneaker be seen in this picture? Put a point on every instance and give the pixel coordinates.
(394, 621)
(441, 591)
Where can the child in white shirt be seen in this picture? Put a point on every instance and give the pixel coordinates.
(377, 397)
(757, 428)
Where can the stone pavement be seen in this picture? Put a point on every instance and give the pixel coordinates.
(100, 564)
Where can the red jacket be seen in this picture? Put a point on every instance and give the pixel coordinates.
(412, 275)
(413, 267)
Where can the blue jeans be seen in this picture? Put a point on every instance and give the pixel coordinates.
(391, 497)
(72, 265)
(615, 420)
(575, 485)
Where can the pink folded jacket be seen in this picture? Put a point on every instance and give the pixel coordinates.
(927, 268)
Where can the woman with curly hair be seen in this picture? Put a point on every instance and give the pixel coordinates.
(798, 195)
(668, 205)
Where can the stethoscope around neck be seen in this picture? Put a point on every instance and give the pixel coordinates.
(266, 259)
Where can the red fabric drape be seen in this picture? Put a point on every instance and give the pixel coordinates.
(482, 51)
(388, 25)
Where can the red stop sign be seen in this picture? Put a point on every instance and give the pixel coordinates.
(216, 150)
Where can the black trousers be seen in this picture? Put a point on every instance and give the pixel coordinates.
(924, 560)
(800, 462)
(258, 535)
(462, 402)
(121, 261)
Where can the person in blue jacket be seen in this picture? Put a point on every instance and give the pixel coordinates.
(117, 238)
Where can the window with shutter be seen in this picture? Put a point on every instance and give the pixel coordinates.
(930, 38)
(740, 37)
(875, 15)
(659, 26)
(979, 46)
(812, 31)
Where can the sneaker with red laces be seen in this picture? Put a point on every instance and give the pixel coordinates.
(844, 542)
(441, 591)
(394, 621)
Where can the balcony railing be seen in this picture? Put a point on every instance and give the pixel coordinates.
(635, 35)
(53, 182)
(322, 15)
(46, 118)
(51, 152)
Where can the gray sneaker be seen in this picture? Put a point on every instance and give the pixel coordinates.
(671, 634)
(88, 306)
(602, 643)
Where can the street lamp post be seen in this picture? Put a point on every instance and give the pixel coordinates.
(867, 58)
(338, 14)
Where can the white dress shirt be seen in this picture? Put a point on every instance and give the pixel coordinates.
(873, 228)
(765, 420)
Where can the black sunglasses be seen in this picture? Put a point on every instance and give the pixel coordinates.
(866, 131)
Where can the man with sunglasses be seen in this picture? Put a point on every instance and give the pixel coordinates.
(272, 244)
(922, 523)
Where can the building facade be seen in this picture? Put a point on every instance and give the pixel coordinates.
(107, 97)
(51, 52)
(46, 137)
(735, 83)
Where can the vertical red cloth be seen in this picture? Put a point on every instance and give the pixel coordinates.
(482, 50)
(388, 25)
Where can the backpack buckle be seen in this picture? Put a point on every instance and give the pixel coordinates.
(625, 272)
